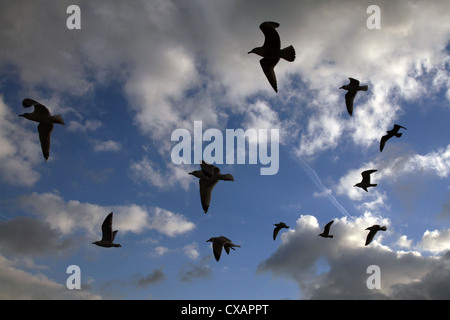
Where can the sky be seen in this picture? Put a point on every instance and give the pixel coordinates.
(136, 71)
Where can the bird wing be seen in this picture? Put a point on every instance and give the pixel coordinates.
(326, 229)
(217, 245)
(107, 234)
(353, 82)
(40, 108)
(272, 38)
(366, 175)
(268, 65)
(349, 98)
(397, 127)
(207, 168)
(275, 232)
(383, 141)
(370, 236)
(44, 136)
(206, 188)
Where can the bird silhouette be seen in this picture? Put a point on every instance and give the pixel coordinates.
(373, 231)
(390, 134)
(326, 230)
(278, 227)
(271, 51)
(365, 182)
(352, 88)
(209, 176)
(107, 234)
(221, 242)
(42, 115)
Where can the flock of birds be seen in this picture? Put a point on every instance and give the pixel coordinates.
(209, 175)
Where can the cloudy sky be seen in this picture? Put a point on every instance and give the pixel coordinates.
(137, 71)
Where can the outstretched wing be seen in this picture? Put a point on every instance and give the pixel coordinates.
(366, 175)
(268, 65)
(383, 141)
(370, 236)
(275, 232)
(272, 38)
(107, 234)
(44, 137)
(40, 108)
(349, 98)
(326, 229)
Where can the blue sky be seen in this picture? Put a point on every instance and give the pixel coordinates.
(137, 71)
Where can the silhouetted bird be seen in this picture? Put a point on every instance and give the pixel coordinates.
(352, 88)
(221, 242)
(365, 183)
(107, 234)
(326, 230)
(278, 227)
(373, 231)
(390, 134)
(209, 176)
(271, 51)
(45, 119)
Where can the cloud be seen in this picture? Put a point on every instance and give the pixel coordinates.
(435, 241)
(20, 284)
(70, 216)
(20, 151)
(149, 172)
(31, 237)
(337, 268)
(108, 145)
(87, 126)
(157, 275)
(195, 270)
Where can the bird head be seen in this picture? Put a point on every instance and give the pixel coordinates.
(259, 51)
(210, 240)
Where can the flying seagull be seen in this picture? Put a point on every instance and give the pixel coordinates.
(209, 176)
(365, 182)
(107, 234)
(373, 230)
(278, 227)
(271, 51)
(46, 121)
(221, 242)
(352, 88)
(326, 230)
(390, 134)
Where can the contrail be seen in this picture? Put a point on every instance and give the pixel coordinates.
(316, 180)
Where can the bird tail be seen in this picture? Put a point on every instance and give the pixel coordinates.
(364, 88)
(58, 119)
(288, 53)
(398, 135)
(330, 236)
(383, 228)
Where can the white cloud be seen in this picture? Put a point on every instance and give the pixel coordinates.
(70, 216)
(435, 241)
(20, 151)
(149, 172)
(88, 125)
(108, 145)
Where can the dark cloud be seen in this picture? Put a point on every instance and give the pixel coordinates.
(192, 271)
(27, 236)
